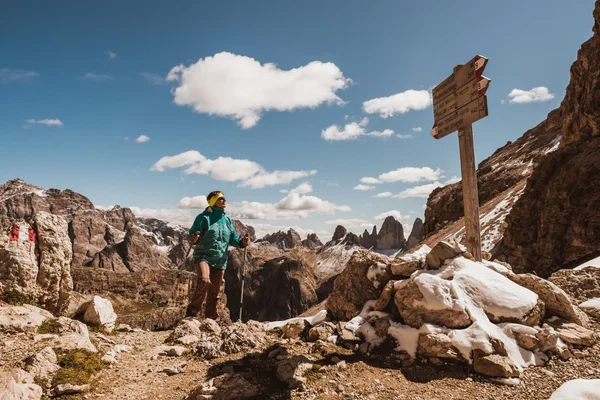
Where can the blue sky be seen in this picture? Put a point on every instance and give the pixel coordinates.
(81, 81)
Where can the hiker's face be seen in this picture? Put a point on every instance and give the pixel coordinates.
(221, 203)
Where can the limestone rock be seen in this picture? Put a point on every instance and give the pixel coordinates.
(99, 312)
(339, 233)
(187, 340)
(284, 240)
(64, 325)
(68, 389)
(185, 327)
(440, 252)
(26, 318)
(293, 329)
(312, 241)
(209, 347)
(42, 364)
(369, 241)
(292, 370)
(391, 235)
(72, 341)
(437, 345)
(321, 332)
(573, 333)
(15, 386)
(223, 387)
(210, 326)
(352, 289)
(386, 296)
(495, 365)
(238, 337)
(416, 234)
(580, 285)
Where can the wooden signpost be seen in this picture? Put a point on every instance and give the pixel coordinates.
(458, 102)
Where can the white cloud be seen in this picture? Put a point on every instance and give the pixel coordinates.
(10, 75)
(405, 136)
(267, 211)
(242, 88)
(384, 194)
(295, 201)
(111, 55)
(352, 131)
(418, 191)
(153, 78)
(411, 174)
(363, 187)
(229, 170)
(284, 191)
(370, 181)
(180, 160)
(331, 184)
(501, 101)
(97, 77)
(264, 178)
(142, 139)
(394, 213)
(196, 202)
(351, 223)
(303, 188)
(452, 180)
(417, 129)
(47, 122)
(535, 95)
(399, 103)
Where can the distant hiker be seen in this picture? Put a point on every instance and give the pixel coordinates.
(212, 232)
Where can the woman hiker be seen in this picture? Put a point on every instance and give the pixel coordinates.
(212, 233)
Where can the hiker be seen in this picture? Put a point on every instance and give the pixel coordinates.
(212, 232)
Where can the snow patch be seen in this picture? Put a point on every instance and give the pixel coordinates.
(375, 271)
(591, 304)
(592, 263)
(584, 389)
(406, 336)
(315, 320)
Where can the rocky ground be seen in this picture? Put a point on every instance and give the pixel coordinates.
(337, 372)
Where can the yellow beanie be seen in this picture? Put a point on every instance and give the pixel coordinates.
(213, 200)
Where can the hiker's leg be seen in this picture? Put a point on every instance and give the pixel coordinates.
(194, 309)
(216, 281)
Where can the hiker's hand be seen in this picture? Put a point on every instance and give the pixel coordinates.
(246, 241)
(194, 237)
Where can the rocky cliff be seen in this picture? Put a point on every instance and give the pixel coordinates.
(557, 220)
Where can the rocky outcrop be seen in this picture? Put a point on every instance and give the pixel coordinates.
(242, 229)
(312, 241)
(353, 287)
(284, 240)
(391, 235)
(416, 234)
(580, 285)
(369, 241)
(274, 289)
(339, 233)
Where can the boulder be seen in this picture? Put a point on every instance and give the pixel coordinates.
(43, 364)
(294, 328)
(556, 300)
(321, 332)
(437, 345)
(495, 365)
(291, 371)
(26, 318)
(239, 337)
(18, 385)
(353, 288)
(186, 327)
(99, 312)
(580, 285)
(209, 347)
(573, 333)
(441, 252)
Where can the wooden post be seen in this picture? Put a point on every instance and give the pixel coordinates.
(470, 194)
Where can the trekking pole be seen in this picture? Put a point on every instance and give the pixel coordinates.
(243, 275)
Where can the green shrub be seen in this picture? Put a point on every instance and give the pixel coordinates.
(77, 367)
(17, 298)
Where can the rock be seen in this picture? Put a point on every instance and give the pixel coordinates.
(26, 318)
(548, 339)
(386, 296)
(188, 340)
(440, 252)
(56, 251)
(495, 365)
(68, 389)
(123, 328)
(175, 369)
(274, 290)
(210, 326)
(186, 327)
(409, 297)
(73, 341)
(527, 341)
(99, 312)
(573, 333)
(437, 345)
(591, 307)
(284, 240)
(369, 241)
(391, 235)
(293, 329)
(403, 267)
(345, 334)
(155, 319)
(339, 233)
(43, 364)
(312, 241)
(209, 348)
(18, 385)
(292, 370)
(171, 351)
(64, 325)
(556, 300)
(238, 337)
(416, 234)
(352, 289)
(223, 387)
(321, 332)
(580, 285)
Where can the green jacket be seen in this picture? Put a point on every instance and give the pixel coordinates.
(216, 234)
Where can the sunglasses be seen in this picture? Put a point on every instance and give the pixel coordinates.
(222, 198)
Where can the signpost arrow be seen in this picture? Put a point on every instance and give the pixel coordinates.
(458, 102)
(459, 119)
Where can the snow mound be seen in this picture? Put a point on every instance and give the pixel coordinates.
(581, 389)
